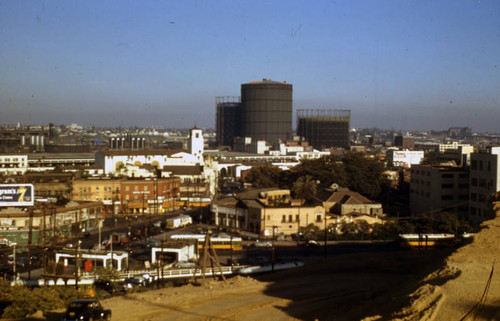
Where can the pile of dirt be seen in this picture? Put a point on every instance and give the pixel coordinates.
(465, 286)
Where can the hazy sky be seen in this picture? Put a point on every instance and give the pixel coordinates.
(413, 65)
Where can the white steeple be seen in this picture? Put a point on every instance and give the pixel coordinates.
(195, 144)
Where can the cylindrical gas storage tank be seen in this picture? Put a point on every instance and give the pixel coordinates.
(267, 110)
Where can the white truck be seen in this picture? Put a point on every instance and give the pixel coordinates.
(5, 242)
(179, 221)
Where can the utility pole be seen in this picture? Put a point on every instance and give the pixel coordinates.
(77, 247)
(326, 237)
(30, 240)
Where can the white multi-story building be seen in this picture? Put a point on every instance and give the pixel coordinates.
(404, 158)
(466, 148)
(484, 183)
(435, 189)
(190, 166)
(12, 164)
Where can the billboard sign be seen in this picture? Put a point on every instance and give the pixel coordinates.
(17, 195)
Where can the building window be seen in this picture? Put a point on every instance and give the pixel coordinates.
(283, 218)
(474, 164)
(269, 217)
(473, 197)
(446, 185)
(318, 218)
(290, 218)
(474, 181)
(447, 197)
(127, 188)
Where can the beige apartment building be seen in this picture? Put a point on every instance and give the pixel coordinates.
(435, 189)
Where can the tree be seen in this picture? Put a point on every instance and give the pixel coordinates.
(305, 187)
(365, 175)
(264, 176)
(327, 169)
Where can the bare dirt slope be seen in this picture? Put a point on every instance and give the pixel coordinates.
(467, 286)
(347, 287)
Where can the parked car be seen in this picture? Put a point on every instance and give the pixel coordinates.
(260, 243)
(185, 265)
(152, 243)
(86, 310)
(106, 285)
(148, 278)
(20, 260)
(311, 243)
(136, 281)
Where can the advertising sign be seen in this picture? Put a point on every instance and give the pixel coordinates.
(17, 195)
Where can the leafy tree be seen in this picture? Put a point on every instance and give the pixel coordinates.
(305, 187)
(107, 274)
(264, 176)
(327, 170)
(365, 175)
(19, 301)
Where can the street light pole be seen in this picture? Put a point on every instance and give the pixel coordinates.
(326, 237)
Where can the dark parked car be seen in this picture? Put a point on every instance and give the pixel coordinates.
(86, 310)
(108, 286)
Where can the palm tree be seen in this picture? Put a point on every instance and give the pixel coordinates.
(305, 187)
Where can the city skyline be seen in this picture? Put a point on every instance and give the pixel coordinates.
(395, 64)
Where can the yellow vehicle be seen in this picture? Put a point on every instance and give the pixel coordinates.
(218, 243)
(432, 240)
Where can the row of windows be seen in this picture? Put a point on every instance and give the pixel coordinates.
(89, 189)
(12, 165)
(477, 212)
(478, 164)
(136, 188)
(7, 160)
(290, 217)
(481, 182)
(446, 197)
(479, 198)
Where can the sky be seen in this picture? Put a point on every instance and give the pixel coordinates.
(403, 65)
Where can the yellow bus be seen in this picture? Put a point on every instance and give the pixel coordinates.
(218, 242)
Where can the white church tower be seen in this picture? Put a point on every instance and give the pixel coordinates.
(195, 144)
